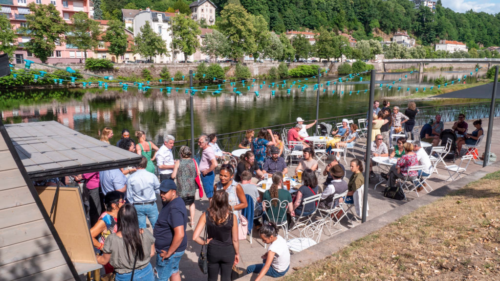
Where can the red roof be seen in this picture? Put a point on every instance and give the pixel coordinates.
(300, 32)
(205, 31)
(453, 42)
(103, 22)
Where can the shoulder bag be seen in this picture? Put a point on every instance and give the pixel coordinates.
(198, 180)
(242, 226)
(202, 258)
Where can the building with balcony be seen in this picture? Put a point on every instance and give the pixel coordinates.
(451, 46)
(426, 3)
(16, 11)
(402, 38)
(203, 9)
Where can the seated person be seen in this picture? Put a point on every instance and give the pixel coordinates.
(350, 141)
(293, 135)
(431, 132)
(309, 188)
(331, 161)
(275, 164)
(279, 142)
(400, 170)
(308, 161)
(460, 127)
(336, 186)
(217, 151)
(379, 149)
(399, 148)
(277, 212)
(423, 160)
(471, 139)
(248, 163)
(343, 130)
(249, 188)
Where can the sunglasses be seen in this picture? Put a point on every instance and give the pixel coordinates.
(380, 139)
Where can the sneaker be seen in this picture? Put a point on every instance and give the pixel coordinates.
(372, 174)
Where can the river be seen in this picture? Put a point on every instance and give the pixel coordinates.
(155, 112)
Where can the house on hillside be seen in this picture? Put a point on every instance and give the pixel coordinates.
(494, 48)
(352, 40)
(200, 56)
(451, 46)
(102, 51)
(203, 9)
(426, 3)
(306, 34)
(402, 38)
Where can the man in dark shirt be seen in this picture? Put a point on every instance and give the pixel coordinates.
(460, 127)
(170, 233)
(275, 163)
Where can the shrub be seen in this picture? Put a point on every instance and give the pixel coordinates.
(63, 74)
(178, 76)
(98, 64)
(304, 71)
(165, 74)
(439, 81)
(344, 68)
(201, 69)
(242, 72)
(283, 70)
(491, 72)
(146, 74)
(226, 69)
(215, 71)
(273, 73)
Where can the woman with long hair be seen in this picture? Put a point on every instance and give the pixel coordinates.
(277, 211)
(222, 237)
(309, 188)
(260, 145)
(237, 199)
(471, 139)
(247, 163)
(185, 172)
(400, 170)
(308, 162)
(106, 134)
(247, 141)
(377, 125)
(145, 148)
(128, 246)
(411, 112)
(279, 143)
(399, 148)
(125, 135)
(350, 139)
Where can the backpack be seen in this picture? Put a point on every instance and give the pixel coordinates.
(395, 192)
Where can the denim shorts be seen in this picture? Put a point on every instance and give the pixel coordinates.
(208, 184)
(145, 274)
(167, 267)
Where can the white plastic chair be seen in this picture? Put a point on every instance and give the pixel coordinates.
(329, 216)
(282, 210)
(456, 170)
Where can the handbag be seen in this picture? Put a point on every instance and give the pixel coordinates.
(198, 180)
(398, 130)
(202, 258)
(242, 227)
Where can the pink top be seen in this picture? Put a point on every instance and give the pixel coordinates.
(405, 162)
(92, 180)
(206, 158)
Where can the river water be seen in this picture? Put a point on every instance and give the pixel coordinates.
(156, 113)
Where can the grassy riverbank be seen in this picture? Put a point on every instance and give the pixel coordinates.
(455, 238)
(438, 91)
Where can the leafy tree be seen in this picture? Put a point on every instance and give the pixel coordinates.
(302, 47)
(237, 25)
(242, 72)
(283, 70)
(184, 35)
(343, 47)
(273, 47)
(165, 74)
(148, 43)
(146, 74)
(201, 69)
(182, 7)
(97, 9)
(215, 45)
(273, 73)
(473, 53)
(325, 44)
(117, 38)
(261, 35)
(85, 32)
(344, 68)
(46, 26)
(214, 70)
(7, 37)
(178, 76)
(288, 50)
(234, 2)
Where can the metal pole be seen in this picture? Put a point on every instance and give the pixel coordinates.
(317, 101)
(368, 145)
(490, 122)
(192, 110)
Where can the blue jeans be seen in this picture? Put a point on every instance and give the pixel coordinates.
(145, 274)
(422, 174)
(147, 210)
(208, 184)
(167, 267)
(257, 268)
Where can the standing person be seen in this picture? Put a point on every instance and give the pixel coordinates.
(276, 261)
(165, 158)
(129, 145)
(303, 130)
(125, 135)
(260, 145)
(112, 180)
(185, 172)
(106, 134)
(219, 153)
(222, 237)
(92, 183)
(377, 125)
(248, 163)
(386, 105)
(247, 141)
(142, 187)
(237, 199)
(411, 112)
(398, 119)
(208, 163)
(170, 233)
(145, 149)
(376, 110)
(309, 188)
(128, 246)
(385, 130)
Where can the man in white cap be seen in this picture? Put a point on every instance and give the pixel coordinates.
(303, 131)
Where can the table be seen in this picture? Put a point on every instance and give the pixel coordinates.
(383, 162)
(423, 143)
(239, 152)
(293, 186)
(317, 138)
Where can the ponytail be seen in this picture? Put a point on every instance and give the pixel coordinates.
(277, 180)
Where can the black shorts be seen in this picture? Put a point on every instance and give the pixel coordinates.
(188, 200)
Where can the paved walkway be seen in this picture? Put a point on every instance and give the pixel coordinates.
(378, 205)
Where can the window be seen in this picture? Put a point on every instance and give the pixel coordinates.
(21, 2)
(66, 16)
(39, 1)
(71, 54)
(53, 2)
(65, 4)
(24, 25)
(202, 10)
(29, 54)
(159, 29)
(58, 54)
(104, 56)
(57, 42)
(78, 54)
(101, 45)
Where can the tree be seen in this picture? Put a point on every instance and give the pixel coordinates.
(84, 32)
(343, 47)
(46, 27)
(148, 43)
(302, 47)
(182, 7)
(185, 33)
(215, 45)
(117, 38)
(273, 47)
(325, 44)
(261, 35)
(237, 25)
(97, 9)
(473, 53)
(288, 50)
(7, 37)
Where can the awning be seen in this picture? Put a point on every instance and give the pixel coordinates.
(50, 149)
(479, 92)
(5, 10)
(23, 11)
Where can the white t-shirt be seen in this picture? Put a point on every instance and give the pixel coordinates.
(303, 132)
(424, 160)
(281, 254)
(217, 150)
(164, 156)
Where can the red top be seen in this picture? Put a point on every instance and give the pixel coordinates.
(293, 135)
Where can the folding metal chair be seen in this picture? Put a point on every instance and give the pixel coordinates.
(441, 152)
(294, 152)
(309, 236)
(271, 216)
(457, 170)
(305, 219)
(362, 129)
(473, 149)
(320, 150)
(343, 151)
(357, 205)
(329, 216)
(409, 184)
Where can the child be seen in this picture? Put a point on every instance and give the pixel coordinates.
(277, 259)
